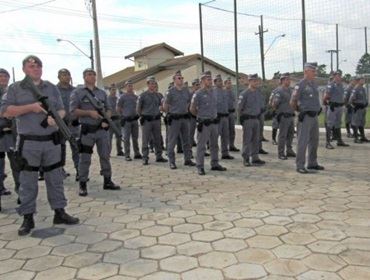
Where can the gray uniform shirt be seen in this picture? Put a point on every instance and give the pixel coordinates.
(113, 103)
(347, 93)
(358, 96)
(30, 123)
(222, 101)
(230, 99)
(148, 103)
(178, 100)
(80, 101)
(335, 92)
(307, 96)
(281, 99)
(250, 102)
(65, 93)
(206, 103)
(127, 103)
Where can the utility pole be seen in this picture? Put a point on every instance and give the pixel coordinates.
(366, 40)
(99, 76)
(201, 36)
(260, 33)
(331, 58)
(236, 47)
(92, 54)
(304, 44)
(337, 44)
(13, 74)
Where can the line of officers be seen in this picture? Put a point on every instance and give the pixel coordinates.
(209, 108)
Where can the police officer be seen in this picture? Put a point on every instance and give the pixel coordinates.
(305, 99)
(284, 117)
(334, 98)
(112, 99)
(94, 130)
(148, 108)
(223, 116)
(349, 108)
(262, 119)
(7, 140)
(195, 85)
(126, 107)
(176, 105)
(358, 100)
(204, 106)
(37, 145)
(65, 88)
(231, 108)
(250, 110)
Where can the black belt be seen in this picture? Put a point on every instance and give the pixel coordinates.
(131, 118)
(335, 104)
(147, 118)
(178, 116)
(90, 128)
(40, 138)
(231, 110)
(114, 118)
(221, 115)
(208, 122)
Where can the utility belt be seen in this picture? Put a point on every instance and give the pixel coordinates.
(285, 115)
(358, 106)
(128, 119)
(22, 164)
(171, 117)
(311, 114)
(231, 111)
(248, 117)
(5, 132)
(221, 115)
(115, 118)
(206, 122)
(147, 118)
(90, 128)
(333, 105)
(75, 123)
(192, 116)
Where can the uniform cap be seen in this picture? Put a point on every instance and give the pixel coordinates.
(150, 79)
(177, 73)
(338, 72)
(217, 77)
(3, 71)
(32, 59)
(253, 77)
(206, 74)
(195, 81)
(88, 70)
(358, 77)
(128, 82)
(63, 71)
(310, 65)
(113, 85)
(284, 75)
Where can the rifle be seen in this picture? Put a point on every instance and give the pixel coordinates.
(27, 83)
(99, 107)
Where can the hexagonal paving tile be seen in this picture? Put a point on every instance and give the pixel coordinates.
(174, 238)
(140, 242)
(81, 260)
(91, 238)
(245, 271)
(10, 265)
(19, 274)
(105, 246)
(298, 238)
(187, 228)
(162, 276)
(23, 243)
(264, 242)
(361, 272)
(229, 245)
(178, 263)
(199, 219)
(330, 234)
(194, 248)
(285, 267)
(33, 252)
(327, 247)
(202, 274)
(98, 271)
(324, 262)
(60, 273)
(125, 234)
(287, 251)
(356, 257)
(158, 252)
(156, 230)
(253, 255)
(248, 223)
(138, 268)
(273, 230)
(322, 275)
(43, 263)
(218, 225)
(217, 260)
(121, 256)
(239, 232)
(69, 249)
(6, 254)
(207, 235)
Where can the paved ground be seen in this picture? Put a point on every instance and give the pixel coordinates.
(248, 223)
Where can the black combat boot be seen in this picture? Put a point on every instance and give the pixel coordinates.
(109, 185)
(349, 134)
(355, 135)
(27, 225)
(362, 134)
(328, 135)
(274, 133)
(61, 217)
(340, 142)
(83, 189)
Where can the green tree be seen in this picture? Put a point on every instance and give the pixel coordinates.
(363, 65)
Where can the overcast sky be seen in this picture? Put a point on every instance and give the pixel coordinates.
(126, 26)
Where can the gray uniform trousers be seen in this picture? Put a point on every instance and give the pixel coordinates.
(275, 123)
(251, 139)
(348, 114)
(208, 133)
(334, 118)
(151, 130)
(131, 130)
(41, 154)
(101, 138)
(223, 132)
(7, 146)
(75, 131)
(175, 129)
(193, 126)
(231, 119)
(286, 134)
(359, 117)
(261, 127)
(118, 139)
(308, 138)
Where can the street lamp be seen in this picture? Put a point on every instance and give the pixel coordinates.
(91, 56)
(273, 41)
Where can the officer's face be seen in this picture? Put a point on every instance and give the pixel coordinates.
(361, 82)
(90, 78)
(218, 83)
(64, 78)
(244, 81)
(112, 90)
(310, 73)
(286, 82)
(228, 84)
(130, 88)
(178, 80)
(152, 86)
(4, 80)
(207, 82)
(338, 78)
(33, 70)
(254, 83)
(196, 86)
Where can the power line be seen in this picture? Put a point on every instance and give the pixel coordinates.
(27, 7)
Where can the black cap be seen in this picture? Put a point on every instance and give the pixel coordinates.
(253, 77)
(195, 81)
(338, 72)
(32, 59)
(177, 73)
(217, 77)
(284, 75)
(128, 82)
(206, 74)
(150, 79)
(88, 70)
(63, 71)
(3, 71)
(311, 65)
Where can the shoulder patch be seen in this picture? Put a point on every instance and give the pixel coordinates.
(296, 87)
